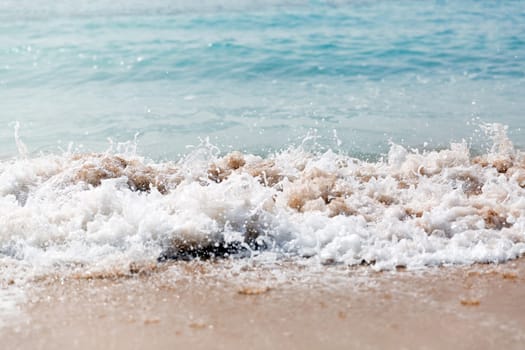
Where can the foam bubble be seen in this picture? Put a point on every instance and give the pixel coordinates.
(90, 212)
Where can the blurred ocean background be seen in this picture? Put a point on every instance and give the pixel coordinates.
(258, 76)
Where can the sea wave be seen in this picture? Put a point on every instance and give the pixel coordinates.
(411, 208)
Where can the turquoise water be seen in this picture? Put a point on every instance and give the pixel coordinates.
(362, 132)
(258, 77)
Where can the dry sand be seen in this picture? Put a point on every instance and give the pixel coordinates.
(204, 305)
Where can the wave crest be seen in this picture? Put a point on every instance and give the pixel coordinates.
(411, 209)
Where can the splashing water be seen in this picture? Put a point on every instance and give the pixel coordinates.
(95, 212)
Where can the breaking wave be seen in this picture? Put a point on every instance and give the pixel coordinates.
(411, 208)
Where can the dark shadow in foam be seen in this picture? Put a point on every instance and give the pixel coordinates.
(209, 251)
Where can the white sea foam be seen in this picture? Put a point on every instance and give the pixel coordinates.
(91, 212)
(10, 298)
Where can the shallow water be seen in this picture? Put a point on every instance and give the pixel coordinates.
(356, 133)
(258, 77)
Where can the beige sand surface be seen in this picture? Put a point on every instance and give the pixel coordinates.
(203, 305)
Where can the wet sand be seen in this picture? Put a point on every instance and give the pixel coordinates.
(203, 305)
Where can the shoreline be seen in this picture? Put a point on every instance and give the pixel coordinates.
(231, 304)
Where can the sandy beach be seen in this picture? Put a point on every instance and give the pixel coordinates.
(202, 305)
